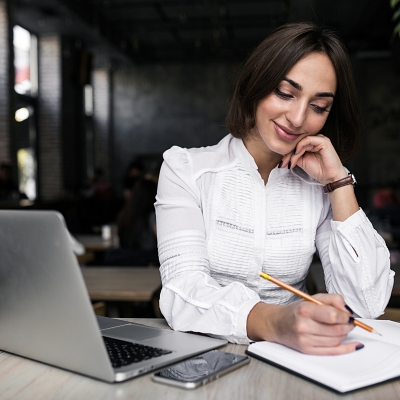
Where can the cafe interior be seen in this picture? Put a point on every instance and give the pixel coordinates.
(93, 92)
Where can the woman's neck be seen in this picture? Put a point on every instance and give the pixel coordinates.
(265, 159)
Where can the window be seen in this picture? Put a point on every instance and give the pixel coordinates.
(88, 100)
(26, 173)
(25, 62)
(26, 87)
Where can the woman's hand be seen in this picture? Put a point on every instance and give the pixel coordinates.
(316, 156)
(304, 326)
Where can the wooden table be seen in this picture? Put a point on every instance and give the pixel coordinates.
(122, 284)
(22, 379)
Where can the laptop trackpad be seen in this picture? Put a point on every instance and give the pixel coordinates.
(134, 332)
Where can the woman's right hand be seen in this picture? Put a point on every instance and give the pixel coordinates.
(304, 326)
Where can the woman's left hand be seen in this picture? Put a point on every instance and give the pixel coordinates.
(316, 156)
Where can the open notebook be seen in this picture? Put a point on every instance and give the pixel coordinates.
(378, 361)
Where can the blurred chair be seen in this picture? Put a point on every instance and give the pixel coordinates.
(100, 308)
(85, 258)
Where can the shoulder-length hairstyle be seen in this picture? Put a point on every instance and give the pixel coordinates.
(272, 60)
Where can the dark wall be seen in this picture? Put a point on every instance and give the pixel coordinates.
(378, 161)
(158, 106)
(73, 133)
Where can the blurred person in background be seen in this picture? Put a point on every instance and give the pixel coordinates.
(9, 190)
(136, 228)
(133, 173)
(385, 215)
(386, 196)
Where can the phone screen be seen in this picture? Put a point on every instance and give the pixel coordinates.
(201, 367)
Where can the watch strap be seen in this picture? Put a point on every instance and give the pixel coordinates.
(348, 180)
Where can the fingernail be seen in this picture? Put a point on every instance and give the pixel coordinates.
(289, 165)
(280, 164)
(360, 346)
(294, 151)
(351, 320)
(348, 309)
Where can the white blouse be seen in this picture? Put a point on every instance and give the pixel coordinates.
(219, 225)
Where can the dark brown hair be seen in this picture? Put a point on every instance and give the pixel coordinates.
(270, 62)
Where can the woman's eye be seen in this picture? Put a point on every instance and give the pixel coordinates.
(318, 109)
(282, 95)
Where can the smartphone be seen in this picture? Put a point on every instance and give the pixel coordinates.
(199, 370)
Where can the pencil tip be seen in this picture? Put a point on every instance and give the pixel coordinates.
(376, 332)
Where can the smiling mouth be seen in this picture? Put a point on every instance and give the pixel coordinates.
(286, 131)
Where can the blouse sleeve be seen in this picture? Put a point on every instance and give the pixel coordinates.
(356, 263)
(191, 300)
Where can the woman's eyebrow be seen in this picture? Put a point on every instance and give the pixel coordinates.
(299, 87)
(325, 94)
(293, 83)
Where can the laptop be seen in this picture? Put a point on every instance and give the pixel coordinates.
(46, 313)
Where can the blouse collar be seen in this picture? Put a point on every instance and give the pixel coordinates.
(240, 151)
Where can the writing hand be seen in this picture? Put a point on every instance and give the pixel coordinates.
(304, 326)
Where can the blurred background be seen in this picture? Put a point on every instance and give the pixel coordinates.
(92, 92)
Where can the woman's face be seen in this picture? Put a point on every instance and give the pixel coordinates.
(298, 107)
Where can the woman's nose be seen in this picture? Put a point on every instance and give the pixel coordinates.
(297, 114)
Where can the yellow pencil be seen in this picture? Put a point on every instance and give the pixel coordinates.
(306, 296)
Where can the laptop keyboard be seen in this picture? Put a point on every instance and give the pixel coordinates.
(123, 353)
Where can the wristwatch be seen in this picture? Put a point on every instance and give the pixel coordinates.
(349, 180)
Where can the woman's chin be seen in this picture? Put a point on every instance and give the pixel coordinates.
(275, 145)
(281, 150)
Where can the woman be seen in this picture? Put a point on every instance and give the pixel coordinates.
(256, 202)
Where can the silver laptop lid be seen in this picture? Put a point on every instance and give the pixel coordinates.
(45, 311)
